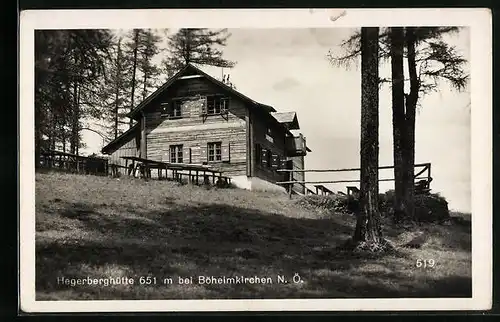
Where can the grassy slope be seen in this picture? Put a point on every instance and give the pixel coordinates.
(100, 227)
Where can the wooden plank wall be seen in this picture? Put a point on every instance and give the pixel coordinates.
(130, 148)
(195, 131)
(298, 163)
(260, 127)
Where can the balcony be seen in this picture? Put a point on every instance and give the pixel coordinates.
(296, 146)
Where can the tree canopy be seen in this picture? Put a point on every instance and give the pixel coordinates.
(99, 75)
(196, 45)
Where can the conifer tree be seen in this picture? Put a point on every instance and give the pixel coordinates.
(431, 60)
(199, 46)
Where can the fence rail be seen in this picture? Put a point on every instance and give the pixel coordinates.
(69, 162)
(183, 173)
(188, 173)
(422, 184)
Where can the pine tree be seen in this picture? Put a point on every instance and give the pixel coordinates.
(141, 48)
(430, 61)
(368, 229)
(427, 65)
(68, 66)
(50, 98)
(396, 37)
(198, 46)
(115, 94)
(133, 50)
(88, 56)
(148, 49)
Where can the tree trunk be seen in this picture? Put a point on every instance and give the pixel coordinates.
(411, 105)
(187, 46)
(74, 120)
(52, 145)
(63, 139)
(116, 111)
(398, 119)
(134, 68)
(77, 121)
(38, 136)
(117, 88)
(368, 222)
(51, 128)
(144, 90)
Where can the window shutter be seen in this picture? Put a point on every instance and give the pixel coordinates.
(224, 105)
(225, 151)
(164, 109)
(274, 161)
(186, 155)
(263, 155)
(166, 156)
(203, 154)
(185, 108)
(203, 110)
(283, 164)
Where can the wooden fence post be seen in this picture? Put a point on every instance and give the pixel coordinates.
(429, 175)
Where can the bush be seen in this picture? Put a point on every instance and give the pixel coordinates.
(336, 203)
(431, 208)
(428, 207)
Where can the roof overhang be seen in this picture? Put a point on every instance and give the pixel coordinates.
(113, 145)
(289, 119)
(190, 71)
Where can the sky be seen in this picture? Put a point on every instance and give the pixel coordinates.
(289, 70)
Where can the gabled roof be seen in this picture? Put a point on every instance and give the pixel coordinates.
(189, 69)
(127, 134)
(287, 118)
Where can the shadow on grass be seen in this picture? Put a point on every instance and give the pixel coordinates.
(214, 240)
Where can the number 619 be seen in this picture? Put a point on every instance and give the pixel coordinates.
(425, 263)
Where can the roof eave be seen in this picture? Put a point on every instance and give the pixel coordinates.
(268, 108)
(169, 82)
(132, 114)
(110, 145)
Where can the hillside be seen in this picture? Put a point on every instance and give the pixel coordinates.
(98, 227)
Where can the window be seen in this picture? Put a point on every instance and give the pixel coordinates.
(164, 109)
(269, 158)
(176, 154)
(263, 157)
(275, 162)
(175, 111)
(216, 105)
(214, 151)
(176, 108)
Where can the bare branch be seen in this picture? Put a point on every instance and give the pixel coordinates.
(352, 50)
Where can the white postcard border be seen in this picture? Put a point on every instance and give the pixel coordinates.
(480, 22)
